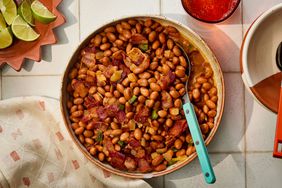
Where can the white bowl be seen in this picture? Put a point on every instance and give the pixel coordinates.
(258, 67)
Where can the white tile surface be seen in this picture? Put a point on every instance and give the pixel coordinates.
(100, 12)
(260, 126)
(241, 120)
(224, 38)
(156, 182)
(31, 85)
(263, 170)
(55, 57)
(230, 135)
(229, 170)
(251, 12)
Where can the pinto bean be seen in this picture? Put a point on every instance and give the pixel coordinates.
(162, 38)
(155, 87)
(105, 46)
(210, 104)
(138, 134)
(152, 36)
(156, 161)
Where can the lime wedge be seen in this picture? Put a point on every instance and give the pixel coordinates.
(9, 10)
(22, 30)
(25, 12)
(2, 22)
(41, 13)
(6, 38)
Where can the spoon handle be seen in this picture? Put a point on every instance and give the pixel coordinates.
(278, 136)
(199, 143)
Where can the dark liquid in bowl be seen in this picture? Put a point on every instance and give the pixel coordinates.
(210, 10)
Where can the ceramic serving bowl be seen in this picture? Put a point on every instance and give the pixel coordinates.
(258, 67)
(204, 50)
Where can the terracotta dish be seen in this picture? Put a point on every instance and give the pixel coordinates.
(258, 66)
(196, 42)
(15, 55)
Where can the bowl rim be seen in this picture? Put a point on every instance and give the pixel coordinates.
(211, 21)
(244, 54)
(138, 174)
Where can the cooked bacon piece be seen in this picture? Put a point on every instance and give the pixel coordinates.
(120, 116)
(117, 60)
(138, 39)
(85, 118)
(144, 166)
(118, 57)
(125, 70)
(130, 164)
(142, 115)
(136, 56)
(80, 88)
(101, 126)
(89, 49)
(175, 131)
(90, 102)
(136, 149)
(149, 149)
(88, 58)
(111, 111)
(90, 114)
(117, 160)
(102, 113)
(134, 143)
(140, 153)
(110, 70)
(171, 77)
(166, 80)
(179, 127)
(166, 100)
(90, 80)
(108, 144)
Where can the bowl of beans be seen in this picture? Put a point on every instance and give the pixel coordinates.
(122, 95)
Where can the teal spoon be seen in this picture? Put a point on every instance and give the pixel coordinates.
(195, 131)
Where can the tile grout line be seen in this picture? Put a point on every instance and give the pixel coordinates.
(79, 34)
(244, 100)
(11, 76)
(242, 19)
(245, 139)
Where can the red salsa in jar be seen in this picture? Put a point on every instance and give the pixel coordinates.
(210, 10)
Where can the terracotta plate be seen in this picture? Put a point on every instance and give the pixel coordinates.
(258, 67)
(20, 50)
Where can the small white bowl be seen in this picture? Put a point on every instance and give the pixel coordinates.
(258, 67)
